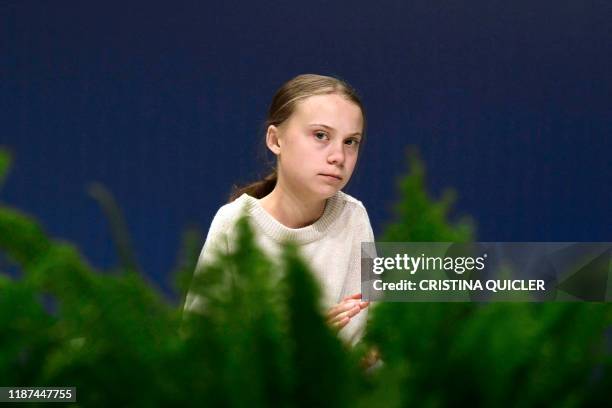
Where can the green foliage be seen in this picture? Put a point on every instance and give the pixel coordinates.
(421, 219)
(118, 227)
(261, 338)
(5, 162)
(182, 274)
(316, 351)
(242, 329)
(498, 354)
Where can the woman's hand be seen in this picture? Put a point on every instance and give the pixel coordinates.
(339, 315)
(370, 358)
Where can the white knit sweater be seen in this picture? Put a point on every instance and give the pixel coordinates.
(331, 246)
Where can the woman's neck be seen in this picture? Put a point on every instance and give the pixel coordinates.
(291, 210)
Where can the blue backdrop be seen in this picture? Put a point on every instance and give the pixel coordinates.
(508, 103)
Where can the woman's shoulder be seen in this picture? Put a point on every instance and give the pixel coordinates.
(228, 214)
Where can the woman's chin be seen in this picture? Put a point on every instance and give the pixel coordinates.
(323, 191)
(326, 192)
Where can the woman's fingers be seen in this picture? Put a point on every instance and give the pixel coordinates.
(363, 305)
(348, 313)
(355, 296)
(371, 357)
(340, 324)
(341, 307)
(340, 314)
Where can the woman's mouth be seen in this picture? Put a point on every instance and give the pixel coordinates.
(331, 177)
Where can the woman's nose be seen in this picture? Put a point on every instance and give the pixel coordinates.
(336, 156)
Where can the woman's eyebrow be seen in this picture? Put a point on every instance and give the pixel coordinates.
(331, 128)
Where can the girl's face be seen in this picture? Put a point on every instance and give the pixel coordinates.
(318, 145)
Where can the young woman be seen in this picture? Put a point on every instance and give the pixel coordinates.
(315, 127)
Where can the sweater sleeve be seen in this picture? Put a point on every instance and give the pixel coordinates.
(355, 329)
(216, 241)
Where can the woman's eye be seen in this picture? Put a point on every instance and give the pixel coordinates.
(320, 133)
(355, 142)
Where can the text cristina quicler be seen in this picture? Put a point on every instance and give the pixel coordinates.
(457, 264)
(493, 285)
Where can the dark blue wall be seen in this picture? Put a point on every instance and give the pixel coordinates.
(508, 102)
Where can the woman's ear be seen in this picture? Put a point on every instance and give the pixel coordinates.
(273, 139)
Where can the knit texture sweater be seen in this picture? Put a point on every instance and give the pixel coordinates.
(331, 246)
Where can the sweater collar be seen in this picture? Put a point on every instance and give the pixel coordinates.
(279, 232)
